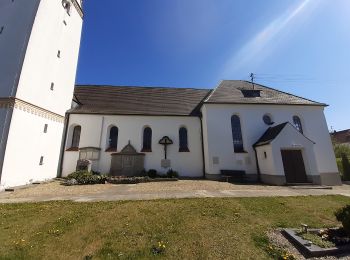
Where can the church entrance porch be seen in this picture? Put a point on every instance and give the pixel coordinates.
(294, 167)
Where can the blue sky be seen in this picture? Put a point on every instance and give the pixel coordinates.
(299, 46)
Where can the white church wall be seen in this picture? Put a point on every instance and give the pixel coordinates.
(13, 39)
(54, 30)
(266, 164)
(94, 130)
(26, 143)
(5, 117)
(218, 135)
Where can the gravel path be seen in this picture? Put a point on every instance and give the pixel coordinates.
(157, 190)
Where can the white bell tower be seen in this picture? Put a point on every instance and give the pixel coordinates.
(39, 47)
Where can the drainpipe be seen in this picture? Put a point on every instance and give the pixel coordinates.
(257, 165)
(63, 144)
(202, 139)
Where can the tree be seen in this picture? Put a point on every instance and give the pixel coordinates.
(340, 149)
(346, 167)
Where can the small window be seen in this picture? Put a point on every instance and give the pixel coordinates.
(250, 93)
(297, 123)
(183, 140)
(237, 134)
(113, 138)
(265, 155)
(76, 136)
(1, 29)
(59, 54)
(52, 86)
(45, 128)
(41, 162)
(67, 6)
(267, 119)
(147, 140)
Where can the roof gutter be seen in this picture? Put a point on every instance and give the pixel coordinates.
(257, 164)
(63, 144)
(202, 142)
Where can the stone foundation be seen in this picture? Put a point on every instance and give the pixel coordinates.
(273, 179)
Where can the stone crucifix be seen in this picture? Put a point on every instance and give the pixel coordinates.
(165, 141)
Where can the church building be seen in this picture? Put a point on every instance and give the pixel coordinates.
(269, 135)
(50, 128)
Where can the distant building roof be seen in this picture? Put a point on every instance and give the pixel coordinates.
(124, 100)
(341, 137)
(242, 92)
(138, 100)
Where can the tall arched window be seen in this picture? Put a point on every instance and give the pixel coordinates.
(237, 134)
(113, 138)
(297, 123)
(183, 140)
(147, 140)
(76, 136)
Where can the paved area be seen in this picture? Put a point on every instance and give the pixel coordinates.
(159, 190)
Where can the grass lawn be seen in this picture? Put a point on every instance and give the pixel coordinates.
(213, 228)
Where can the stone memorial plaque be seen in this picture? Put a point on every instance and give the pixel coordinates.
(165, 163)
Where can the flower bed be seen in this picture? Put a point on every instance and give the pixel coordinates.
(135, 180)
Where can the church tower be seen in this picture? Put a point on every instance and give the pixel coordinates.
(39, 47)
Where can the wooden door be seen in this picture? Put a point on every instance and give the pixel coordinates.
(294, 167)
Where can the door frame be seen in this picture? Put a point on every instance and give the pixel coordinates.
(302, 151)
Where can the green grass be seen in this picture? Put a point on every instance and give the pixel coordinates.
(213, 228)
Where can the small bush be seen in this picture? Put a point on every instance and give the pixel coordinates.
(340, 149)
(85, 177)
(172, 174)
(343, 215)
(143, 173)
(346, 167)
(340, 166)
(152, 173)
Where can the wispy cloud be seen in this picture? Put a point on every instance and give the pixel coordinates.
(255, 49)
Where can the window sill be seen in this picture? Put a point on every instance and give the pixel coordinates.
(241, 152)
(146, 150)
(72, 149)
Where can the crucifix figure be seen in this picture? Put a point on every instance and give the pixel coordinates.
(165, 141)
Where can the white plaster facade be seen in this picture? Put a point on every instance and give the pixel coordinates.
(218, 138)
(94, 133)
(36, 85)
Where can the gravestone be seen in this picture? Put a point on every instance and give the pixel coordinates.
(128, 162)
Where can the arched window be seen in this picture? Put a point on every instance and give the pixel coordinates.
(113, 138)
(147, 140)
(237, 134)
(76, 136)
(183, 140)
(297, 123)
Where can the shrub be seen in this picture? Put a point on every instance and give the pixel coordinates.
(346, 167)
(152, 173)
(172, 174)
(143, 173)
(340, 149)
(340, 166)
(85, 177)
(343, 215)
